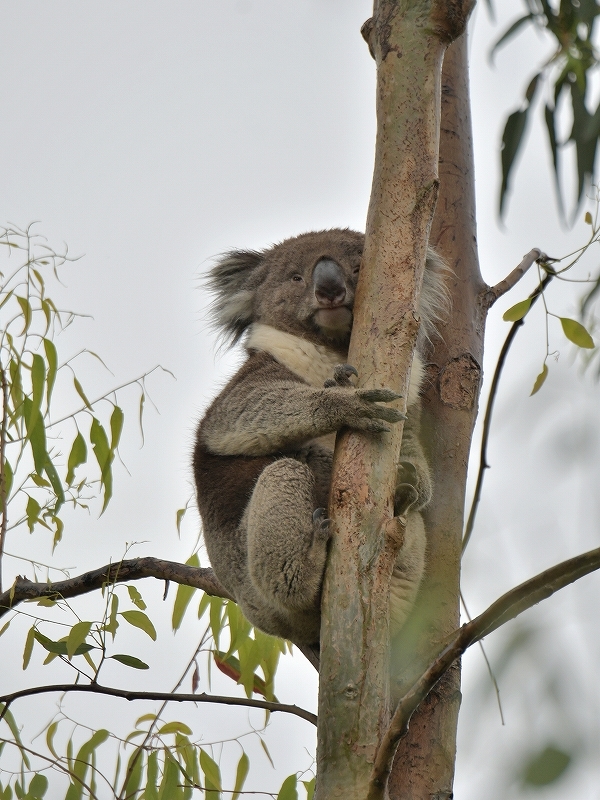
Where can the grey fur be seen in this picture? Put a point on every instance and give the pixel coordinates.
(263, 454)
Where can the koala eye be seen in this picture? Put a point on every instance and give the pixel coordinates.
(297, 277)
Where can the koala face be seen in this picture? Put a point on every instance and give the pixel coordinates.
(304, 286)
(308, 286)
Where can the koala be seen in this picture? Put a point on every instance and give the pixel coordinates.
(263, 451)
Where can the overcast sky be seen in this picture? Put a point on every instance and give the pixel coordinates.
(151, 136)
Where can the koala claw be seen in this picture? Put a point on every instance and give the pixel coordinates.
(406, 496)
(321, 524)
(341, 376)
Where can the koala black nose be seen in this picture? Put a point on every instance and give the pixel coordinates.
(329, 283)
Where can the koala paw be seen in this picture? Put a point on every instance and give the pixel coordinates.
(341, 376)
(413, 486)
(321, 523)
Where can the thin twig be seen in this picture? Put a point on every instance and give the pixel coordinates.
(492, 293)
(487, 420)
(501, 611)
(163, 696)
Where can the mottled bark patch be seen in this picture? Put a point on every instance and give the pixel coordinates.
(459, 382)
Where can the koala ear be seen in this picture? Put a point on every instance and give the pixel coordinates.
(232, 281)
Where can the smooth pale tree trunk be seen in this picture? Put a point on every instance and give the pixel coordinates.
(408, 40)
(424, 763)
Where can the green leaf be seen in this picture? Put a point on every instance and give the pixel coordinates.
(539, 381)
(37, 787)
(551, 128)
(240, 776)
(140, 620)
(546, 767)
(104, 457)
(60, 647)
(266, 749)
(511, 142)
(151, 789)
(113, 623)
(77, 457)
(588, 218)
(130, 661)
(134, 774)
(56, 484)
(36, 434)
(8, 482)
(5, 627)
(310, 788)
(182, 600)
(38, 381)
(28, 647)
(32, 511)
(175, 727)
(116, 427)
(212, 773)
(77, 636)
(27, 312)
(136, 598)
(585, 149)
(289, 789)
(52, 359)
(81, 393)
(50, 738)
(511, 31)
(518, 311)
(576, 333)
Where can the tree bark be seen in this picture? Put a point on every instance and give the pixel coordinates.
(424, 763)
(408, 40)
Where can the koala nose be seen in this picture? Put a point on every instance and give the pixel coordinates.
(329, 283)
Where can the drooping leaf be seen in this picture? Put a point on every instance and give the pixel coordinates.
(539, 381)
(576, 333)
(140, 620)
(240, 776)
(212, 773)
(510, 32)
(52, 359)
(551, 128)
(289, 788)
(38, 381)
(52, 474)
(310, 788)
(134, 773)
(52, 728)
(130, 661)
(28, 649)
(77, 457)
(81, 393)
(518, 311)
(27, 312)
(175, 727)
(77, 636)
(511, 142)
(37, 787)
(546, 767)
(584, 147)
(136, 598)
(116, 427)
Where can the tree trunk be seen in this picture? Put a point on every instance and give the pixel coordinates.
(408, 41)
(424, 763)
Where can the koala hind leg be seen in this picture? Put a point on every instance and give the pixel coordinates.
(287, 544)
(408, 571)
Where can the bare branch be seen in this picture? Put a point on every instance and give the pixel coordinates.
(494, 292)
(487, 421)
(502, 610)
(131, 570)
(164, 696)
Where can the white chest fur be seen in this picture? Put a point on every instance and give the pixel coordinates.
(312, 362)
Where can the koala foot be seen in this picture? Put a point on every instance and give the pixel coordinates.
(341, 376)
(406, 496)
(321, 524)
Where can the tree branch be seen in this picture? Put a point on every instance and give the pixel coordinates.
(163, 696)
(131, 570)
(487, 421)
(494, 292)
(501, 611)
